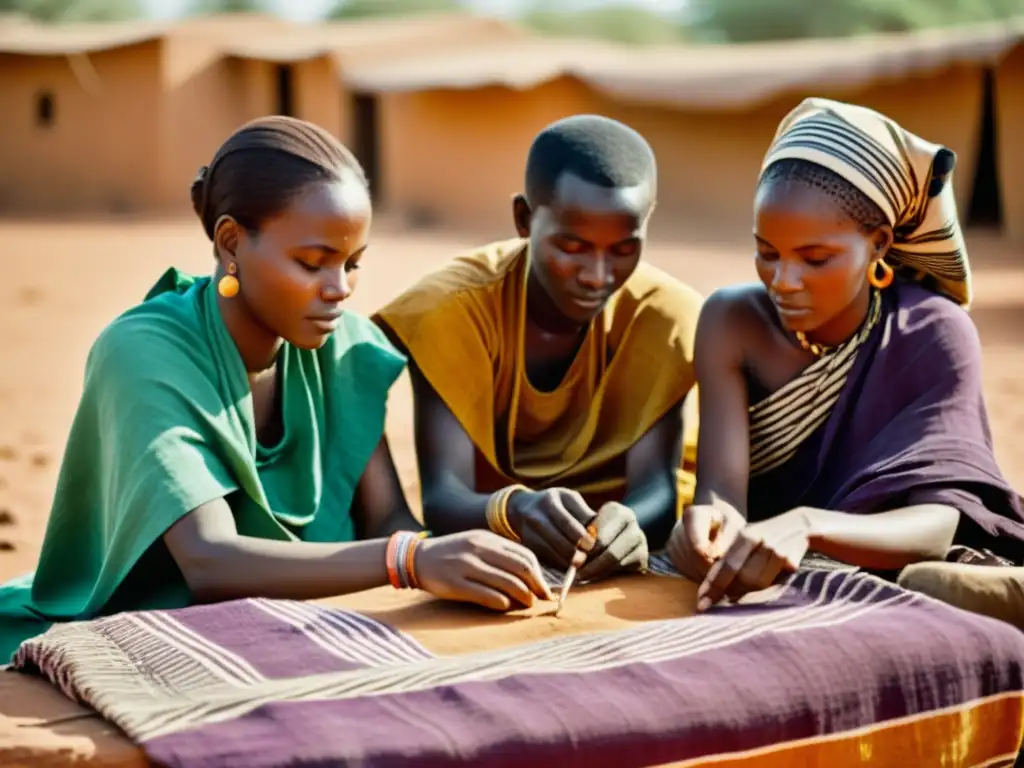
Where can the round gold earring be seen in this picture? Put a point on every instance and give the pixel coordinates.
(228, 285)
(883, 280)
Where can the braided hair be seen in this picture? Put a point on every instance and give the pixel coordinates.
(858, 206)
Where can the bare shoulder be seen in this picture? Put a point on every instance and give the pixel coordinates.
(736, 308)
(735, 322)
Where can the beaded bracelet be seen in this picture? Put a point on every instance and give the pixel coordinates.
(497, 511)
(400, 559)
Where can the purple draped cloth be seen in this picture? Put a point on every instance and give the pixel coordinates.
(910, 427)
(825, 660)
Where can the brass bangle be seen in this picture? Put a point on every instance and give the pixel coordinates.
(506, 494)
(497, 512)
(492, 520)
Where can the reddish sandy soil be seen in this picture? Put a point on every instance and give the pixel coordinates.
(64, 281)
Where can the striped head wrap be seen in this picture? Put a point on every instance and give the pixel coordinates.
(907, 177)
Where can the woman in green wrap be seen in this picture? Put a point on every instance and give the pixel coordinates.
(229, 440)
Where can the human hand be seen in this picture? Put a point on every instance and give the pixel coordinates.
(758, 555)
(701, 537)
(621, 544)
(552, 523)
(480, 567)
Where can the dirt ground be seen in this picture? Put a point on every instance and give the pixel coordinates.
(63, 281)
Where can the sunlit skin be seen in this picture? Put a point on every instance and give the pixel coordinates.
(297, 271)
(294, 275)
(813, 261)
(584, 245)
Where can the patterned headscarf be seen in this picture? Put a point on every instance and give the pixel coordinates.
(906, 176)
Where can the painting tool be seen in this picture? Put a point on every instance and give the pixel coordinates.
(578, 559)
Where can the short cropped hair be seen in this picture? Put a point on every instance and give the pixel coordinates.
(596, 149)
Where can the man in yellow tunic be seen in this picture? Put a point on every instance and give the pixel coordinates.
(549, 372)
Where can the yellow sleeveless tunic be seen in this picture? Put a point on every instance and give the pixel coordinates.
(464, 326)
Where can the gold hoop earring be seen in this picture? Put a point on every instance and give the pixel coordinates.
(883, 280)
(228, 285)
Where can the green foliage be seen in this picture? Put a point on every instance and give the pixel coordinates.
(619, 22)
(364, 9)
(762, 20)
(57, 11)
(200, 7)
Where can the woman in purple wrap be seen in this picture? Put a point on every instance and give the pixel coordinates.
(841, 404)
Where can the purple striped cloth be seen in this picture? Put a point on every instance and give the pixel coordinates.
(262, 683)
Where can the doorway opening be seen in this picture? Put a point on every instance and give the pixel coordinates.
(285, 90)
(986, 208)
(45, 109)
(366, 138)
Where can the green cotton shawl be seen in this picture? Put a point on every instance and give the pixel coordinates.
(165, 424)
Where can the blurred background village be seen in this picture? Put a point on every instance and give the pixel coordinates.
(109, 107)
(112, 105)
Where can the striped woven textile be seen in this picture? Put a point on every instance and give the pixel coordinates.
(835, 667)
(781, 422)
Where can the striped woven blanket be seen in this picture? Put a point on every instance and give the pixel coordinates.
(835, 667)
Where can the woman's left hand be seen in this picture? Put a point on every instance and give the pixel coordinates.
(759, 554)
(621, 544)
